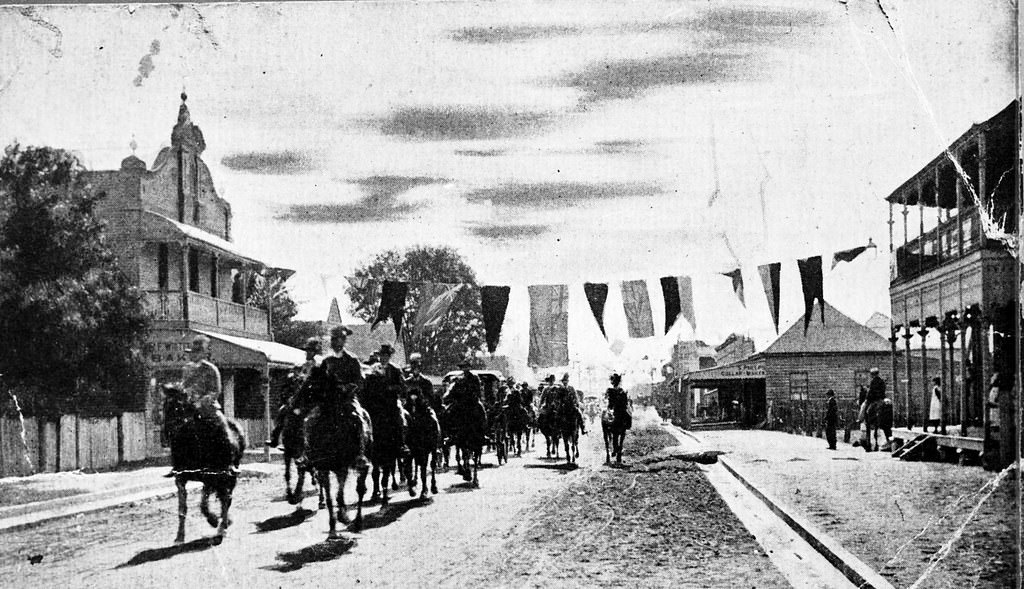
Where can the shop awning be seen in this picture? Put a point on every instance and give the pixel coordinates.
(748, 369)
(232, 351)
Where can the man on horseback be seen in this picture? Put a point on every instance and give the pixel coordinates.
(575, 398)
(416, 384)
(393, 389)
(296, 379)
(201, 383)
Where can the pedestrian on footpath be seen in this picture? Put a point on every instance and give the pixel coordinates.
(831, 418)
(935, 409)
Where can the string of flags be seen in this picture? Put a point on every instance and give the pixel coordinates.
(549, 304)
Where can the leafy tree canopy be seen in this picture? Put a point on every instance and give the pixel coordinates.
(74, 325)
(461, 333)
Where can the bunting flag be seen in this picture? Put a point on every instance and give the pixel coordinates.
(770, 274)
(670, 292)
(597, 294)
(637, 305)
(678, 294)
(847, 255)
(493, 303)
(737, 284)
(334, 315)
(435, 300)
(392, 304)
(549, 325)
(370, 286)
(811, 281)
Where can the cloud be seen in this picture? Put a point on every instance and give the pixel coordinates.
(379, 202)
(628, 78)
(618, 146)
(480, 152)
(270, 162)
(508, 232)
(459, 123)
(767, 25)
(554, 195)
(513, 33)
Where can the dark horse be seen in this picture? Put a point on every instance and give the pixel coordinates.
(467, 427)
(878, 416)
(518, 423)
(340, 435)
(203, 450)
(615, 421)
(293, 438)
(547, 422)
(568, 423)
(388, 433)
(424, 440)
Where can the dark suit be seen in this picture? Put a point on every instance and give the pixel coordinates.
(343, 372)
(831, 421)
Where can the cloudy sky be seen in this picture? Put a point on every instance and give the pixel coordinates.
(550, 142)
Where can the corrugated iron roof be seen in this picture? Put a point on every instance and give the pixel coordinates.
(838, 334)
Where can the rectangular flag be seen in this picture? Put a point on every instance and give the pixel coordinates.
(392, 304)
(493, 304)
(811, 281)
(637, 305)
(770, 278)
(549, 325)
(435, 300)
(597, 294)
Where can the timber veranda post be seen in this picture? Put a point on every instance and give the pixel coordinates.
(266, 369)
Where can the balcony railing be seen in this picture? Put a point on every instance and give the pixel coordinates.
(165, 305)
(937, 247)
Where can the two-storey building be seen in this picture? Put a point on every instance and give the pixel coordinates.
(173, 236)
(953, 273)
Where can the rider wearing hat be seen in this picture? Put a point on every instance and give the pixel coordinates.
(416, 384)
(575, 398)
(296, 379)
(618, 400)
(467, 387)
(201, 383)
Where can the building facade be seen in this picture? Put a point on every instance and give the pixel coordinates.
(173, 237)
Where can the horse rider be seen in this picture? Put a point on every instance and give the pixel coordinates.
(296, 378)
(201, 383)
(875, 398)
(467, 388)
(572, 396)
(415, 383)
(618, 400)
(391, 389)
(547, 390)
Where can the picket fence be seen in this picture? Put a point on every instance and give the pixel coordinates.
(29, 445)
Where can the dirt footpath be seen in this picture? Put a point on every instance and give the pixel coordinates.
(533, 522)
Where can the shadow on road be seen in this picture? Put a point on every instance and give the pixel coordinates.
(155, 554)
(325, 551)
(281, 522)
(390, 514)
(562, 466)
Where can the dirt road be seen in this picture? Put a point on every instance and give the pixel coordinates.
(533, 522)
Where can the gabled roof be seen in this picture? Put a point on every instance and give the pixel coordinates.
(879, 323)
(838, 334)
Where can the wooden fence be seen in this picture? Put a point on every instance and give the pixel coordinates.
(31, 445)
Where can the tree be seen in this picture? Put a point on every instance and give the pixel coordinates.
(295, 333)
(73, 323)
(460, 333)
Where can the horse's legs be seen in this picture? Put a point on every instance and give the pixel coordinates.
(288, 477)
(182, 510)
(204, 506)
(224, 496)
(607, 443)
(567, 440)
(388, 472)
(342, 474)
(475, 457)
(375, 476)
(319, 488)
(395, 469)
(324, 476)
(433, 475)
(363, 469)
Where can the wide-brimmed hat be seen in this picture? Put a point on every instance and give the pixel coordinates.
(874, 371)
(415, 358)
(313, 344)
(386, 349)
(340, 331)
(615, 377)
(565, 377)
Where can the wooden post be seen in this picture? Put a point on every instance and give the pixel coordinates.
(964, 393)
(982, 186)
(183, 273)
(925, 396)
(267, 427)
(943, 389)
(920, 229)
(893, 338)
(907, 334)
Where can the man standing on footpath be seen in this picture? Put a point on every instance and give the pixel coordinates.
(831, 418)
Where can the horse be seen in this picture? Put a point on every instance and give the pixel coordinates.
(497, 425)
(615, 421)
(467, 422)
(339, 436)
(568, 423)
(879, 417)
(293, 438)
(203, 450)
(388, 433)
(518, 424)
(424, 439)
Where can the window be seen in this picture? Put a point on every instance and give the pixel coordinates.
(162, 262)
(798, 386)
(193, 270)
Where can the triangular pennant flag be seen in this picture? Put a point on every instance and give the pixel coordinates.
(493, 303)
(811, 281)
(435, 300)
(847, 255)
(737, 284)
(686, 299)
(673, 308)
(392, 304)
(597, 294)
(637, 305)
(770, 274)
(334, 315)
(549, 325)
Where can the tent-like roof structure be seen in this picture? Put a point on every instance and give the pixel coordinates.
(839, 334)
